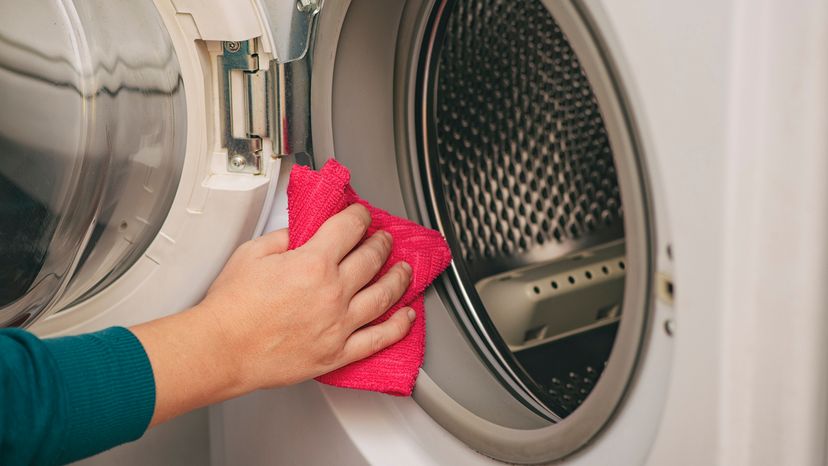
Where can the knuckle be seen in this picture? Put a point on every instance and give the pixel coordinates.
(316, 265)
(375, 256)
(357, 221)
(400, 328)
(362, 212)
(384, 239)
(330, 294)
(329, 358)
(377, 342)
(383, 297)
(332, 344)
(247, 247)
(336, 293)
(402, 278)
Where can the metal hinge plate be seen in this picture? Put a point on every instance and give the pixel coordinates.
(276, 99)
(244, 148)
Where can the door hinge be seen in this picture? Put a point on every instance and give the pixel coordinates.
(276, 100)
(244, 147)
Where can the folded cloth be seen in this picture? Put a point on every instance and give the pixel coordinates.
(313, 197)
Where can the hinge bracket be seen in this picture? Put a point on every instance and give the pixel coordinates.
(276, 100)
(244, 153)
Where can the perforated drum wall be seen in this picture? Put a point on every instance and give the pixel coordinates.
(521, 148)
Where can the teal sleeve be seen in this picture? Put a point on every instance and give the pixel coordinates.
(71, 397)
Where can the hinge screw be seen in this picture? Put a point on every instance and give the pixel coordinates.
(238, 162)
(308, 6)
(232, 47)
(669, 327)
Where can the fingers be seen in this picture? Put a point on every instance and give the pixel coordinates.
(340, 233)
(360, 266)
(274, 242)
(373, 301)
(365, 342)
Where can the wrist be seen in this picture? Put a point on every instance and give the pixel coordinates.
(222, 345)
(192, 360)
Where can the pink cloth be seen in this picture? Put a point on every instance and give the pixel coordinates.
(313, 197)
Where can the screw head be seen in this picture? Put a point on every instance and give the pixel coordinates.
(232, 46)
(308, 6)
(238, 162)
(669, 327)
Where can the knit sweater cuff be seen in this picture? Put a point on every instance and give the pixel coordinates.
(109, 390)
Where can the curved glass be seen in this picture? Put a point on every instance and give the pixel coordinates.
(92, 134)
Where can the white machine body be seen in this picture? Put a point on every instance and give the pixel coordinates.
(727, 105)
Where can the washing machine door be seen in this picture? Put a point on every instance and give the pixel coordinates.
(92, 132)
(140, 143)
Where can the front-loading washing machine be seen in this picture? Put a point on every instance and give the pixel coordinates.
(633, 194)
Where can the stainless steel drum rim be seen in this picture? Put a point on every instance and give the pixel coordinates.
(585, 422)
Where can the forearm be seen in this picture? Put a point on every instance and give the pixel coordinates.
(71, 397)
(193, 361)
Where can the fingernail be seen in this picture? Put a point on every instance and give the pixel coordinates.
(406, 266)
(386, 235)
(411, 315)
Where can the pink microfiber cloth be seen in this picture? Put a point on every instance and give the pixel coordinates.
(313, 197)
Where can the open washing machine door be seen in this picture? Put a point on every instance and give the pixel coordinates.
(141, 143)
(138, 149)
(585, 160)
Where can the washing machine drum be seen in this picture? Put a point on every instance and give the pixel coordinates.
(92, 128)
(523, 184)
(512, 139)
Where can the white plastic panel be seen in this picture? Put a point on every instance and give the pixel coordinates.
(222, 20)
(774, 392)
(676, 56)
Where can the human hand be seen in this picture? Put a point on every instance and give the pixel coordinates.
(275, 317)
(294, 315)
